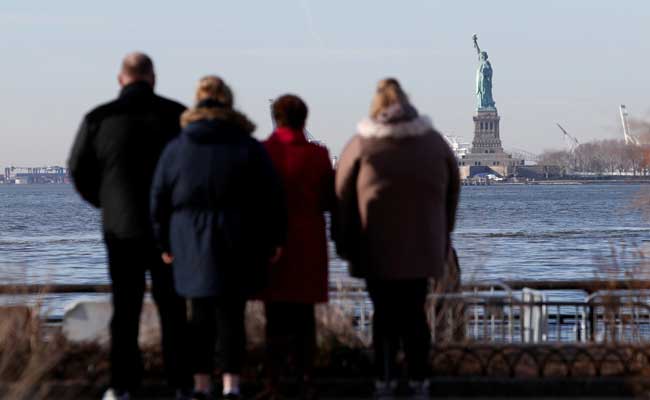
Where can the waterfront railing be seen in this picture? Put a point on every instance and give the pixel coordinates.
(511, 312)
(586, 286)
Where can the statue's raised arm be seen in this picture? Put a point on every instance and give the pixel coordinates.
(483, 79)
(478, 49)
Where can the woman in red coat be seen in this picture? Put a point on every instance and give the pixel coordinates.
(299, 279)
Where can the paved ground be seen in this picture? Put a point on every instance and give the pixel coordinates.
(445, 397)
(450, 388)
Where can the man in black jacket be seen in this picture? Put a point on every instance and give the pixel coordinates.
(112, 164)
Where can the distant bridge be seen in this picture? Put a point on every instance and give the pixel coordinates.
(523, 155)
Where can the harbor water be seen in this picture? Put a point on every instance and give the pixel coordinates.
(535, 232)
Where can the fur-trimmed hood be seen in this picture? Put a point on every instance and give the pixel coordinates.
(228, 115)
(369, 128)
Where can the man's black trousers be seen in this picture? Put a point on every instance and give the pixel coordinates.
(129, 260)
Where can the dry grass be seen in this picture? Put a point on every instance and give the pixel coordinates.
(343, 349)
(28, 354)
(36, 360)
(335, 326)
(33, 361)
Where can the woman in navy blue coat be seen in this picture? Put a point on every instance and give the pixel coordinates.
(219, 215)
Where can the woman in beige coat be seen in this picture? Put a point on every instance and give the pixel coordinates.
(398, 185)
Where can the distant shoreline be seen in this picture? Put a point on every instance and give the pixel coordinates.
(561, 182)
(35, 184)
(467, 182)
(581, 182)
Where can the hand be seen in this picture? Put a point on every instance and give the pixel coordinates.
(276, 255)
(167, 258)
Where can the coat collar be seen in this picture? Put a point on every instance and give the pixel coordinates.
(288, 135)
(227, 116)
(369, 128)
(137, 88)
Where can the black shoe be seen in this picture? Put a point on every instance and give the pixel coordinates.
(269, 393)
(384, 390)
(184, 394)
(308, 391)
(419, 389)
(231, 396)
(200, 396)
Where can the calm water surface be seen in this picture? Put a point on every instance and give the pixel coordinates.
(49, 235)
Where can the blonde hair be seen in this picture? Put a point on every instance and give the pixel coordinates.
(214, 88)
(389, 92)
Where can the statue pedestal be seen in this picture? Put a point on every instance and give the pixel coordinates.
(487, 155)
(486, 132)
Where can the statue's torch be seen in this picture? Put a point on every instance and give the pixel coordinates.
(475, 39)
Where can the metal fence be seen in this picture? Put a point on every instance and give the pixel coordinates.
(504, 315)
(598, 312)
(516, 312)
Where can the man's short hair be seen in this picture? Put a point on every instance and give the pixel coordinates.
(137, 65)
(289, 110)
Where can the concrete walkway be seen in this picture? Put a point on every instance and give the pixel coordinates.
(475, 388)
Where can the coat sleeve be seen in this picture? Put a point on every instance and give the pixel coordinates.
(453, 191)
(328, 193)
(84, 164)
(274, 211)
(347, 221)
(161, 204)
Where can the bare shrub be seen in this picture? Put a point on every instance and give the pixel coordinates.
(28, 353)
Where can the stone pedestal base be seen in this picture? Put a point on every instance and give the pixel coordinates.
(487, 139)
(487, 155)
(500, 164)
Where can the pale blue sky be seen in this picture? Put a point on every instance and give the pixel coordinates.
(564, 61)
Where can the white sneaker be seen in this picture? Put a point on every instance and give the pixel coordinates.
(420, 389)
(384, 390)
(112, 394)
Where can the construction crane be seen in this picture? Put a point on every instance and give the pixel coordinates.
(570, 141)
(629, 139)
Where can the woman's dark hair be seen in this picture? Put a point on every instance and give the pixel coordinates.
(290, 111)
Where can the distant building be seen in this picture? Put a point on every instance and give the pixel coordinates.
(35, 175)
(460, 148)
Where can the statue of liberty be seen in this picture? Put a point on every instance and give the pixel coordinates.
(483, 79)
